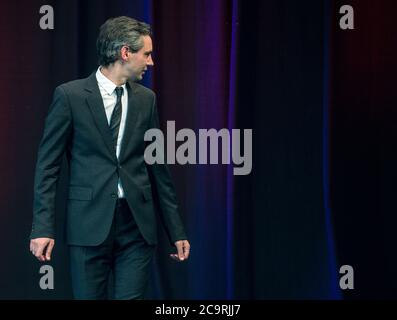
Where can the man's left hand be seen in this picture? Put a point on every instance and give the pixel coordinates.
(183, 248)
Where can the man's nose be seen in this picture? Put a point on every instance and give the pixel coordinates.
(150, 61)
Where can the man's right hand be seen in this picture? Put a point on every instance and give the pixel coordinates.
(42, 248)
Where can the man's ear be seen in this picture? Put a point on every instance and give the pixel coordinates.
(124, 53)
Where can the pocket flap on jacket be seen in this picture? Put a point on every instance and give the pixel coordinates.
(147, 192)
(80, 193)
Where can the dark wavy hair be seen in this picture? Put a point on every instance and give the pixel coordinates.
(116, 33)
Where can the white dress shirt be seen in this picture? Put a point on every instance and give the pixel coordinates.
(109, 97)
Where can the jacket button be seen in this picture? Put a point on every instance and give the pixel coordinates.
(113, 195)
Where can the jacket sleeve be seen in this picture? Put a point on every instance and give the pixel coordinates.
(164, 191)
(57, 131)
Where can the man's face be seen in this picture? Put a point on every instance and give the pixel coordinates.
(138, 62)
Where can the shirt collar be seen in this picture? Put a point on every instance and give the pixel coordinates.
(106, 83)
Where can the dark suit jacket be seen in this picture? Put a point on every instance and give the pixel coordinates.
(77, 124)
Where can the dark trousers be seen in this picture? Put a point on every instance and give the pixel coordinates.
(124, 253)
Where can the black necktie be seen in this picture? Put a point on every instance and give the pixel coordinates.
(116, 116)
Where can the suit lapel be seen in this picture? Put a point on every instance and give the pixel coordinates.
(95, 103)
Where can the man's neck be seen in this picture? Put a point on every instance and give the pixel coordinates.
(114, 73)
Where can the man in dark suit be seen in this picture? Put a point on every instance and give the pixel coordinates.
(100, 122)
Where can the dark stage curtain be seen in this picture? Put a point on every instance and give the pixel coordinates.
(363, 157)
